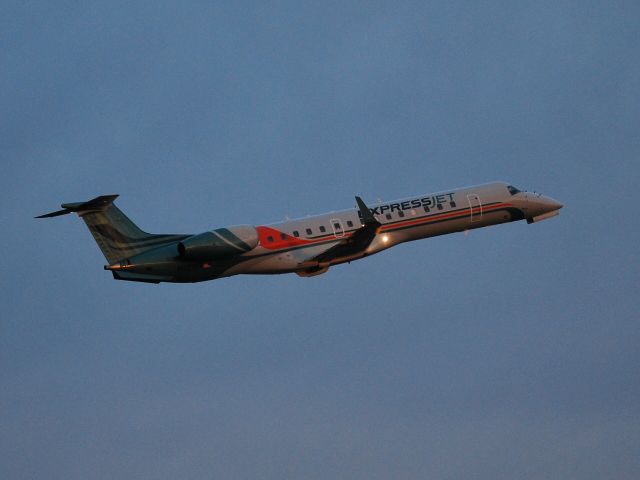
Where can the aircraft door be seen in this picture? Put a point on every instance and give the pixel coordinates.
(336, 225)
(475, 207)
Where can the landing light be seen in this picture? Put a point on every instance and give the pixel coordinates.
(385, 238)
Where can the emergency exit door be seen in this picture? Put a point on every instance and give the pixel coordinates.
(475, 207)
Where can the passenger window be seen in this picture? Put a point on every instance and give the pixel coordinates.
(400, 213)
(336, 226)
(283, 236)
(453, 204)
(388, 215)
(322, 229)
(427, 209)
(309, 232)
(296, 233)
(349, 223)
(440, 207)
(270, 239)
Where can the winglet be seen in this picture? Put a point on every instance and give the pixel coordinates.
(97, 203)
(366, 216)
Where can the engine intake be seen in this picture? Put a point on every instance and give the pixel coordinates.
(219, 243)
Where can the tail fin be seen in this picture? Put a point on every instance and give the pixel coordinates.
(116, 235)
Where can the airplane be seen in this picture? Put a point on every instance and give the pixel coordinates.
(306, 246)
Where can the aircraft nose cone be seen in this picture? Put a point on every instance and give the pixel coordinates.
(541, 204)
(554, 204)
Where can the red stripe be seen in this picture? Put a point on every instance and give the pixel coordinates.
(290, 241)
(459, 213)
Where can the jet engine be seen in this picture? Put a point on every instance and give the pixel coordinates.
(219, 243)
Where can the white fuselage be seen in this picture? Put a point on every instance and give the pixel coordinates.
(288, 246)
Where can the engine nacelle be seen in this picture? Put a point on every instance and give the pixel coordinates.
(219, 243)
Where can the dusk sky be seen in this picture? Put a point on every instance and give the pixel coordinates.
(510, 352)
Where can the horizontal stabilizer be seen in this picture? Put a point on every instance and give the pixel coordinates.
(97, 203)
(116, 235)
(54, 214)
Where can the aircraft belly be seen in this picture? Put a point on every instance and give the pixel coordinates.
(279, 262)
(450, 226)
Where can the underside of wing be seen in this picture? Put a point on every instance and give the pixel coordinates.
(349, 248)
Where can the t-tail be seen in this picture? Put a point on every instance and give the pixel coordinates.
(116, 235)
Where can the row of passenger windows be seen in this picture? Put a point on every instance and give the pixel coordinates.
(338, 227)
(440, 206)
(427, 209)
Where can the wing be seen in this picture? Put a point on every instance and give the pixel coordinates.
(349, 248)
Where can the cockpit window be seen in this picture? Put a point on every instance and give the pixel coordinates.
(513, 190)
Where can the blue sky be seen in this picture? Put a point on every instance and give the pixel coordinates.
(512, 351)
